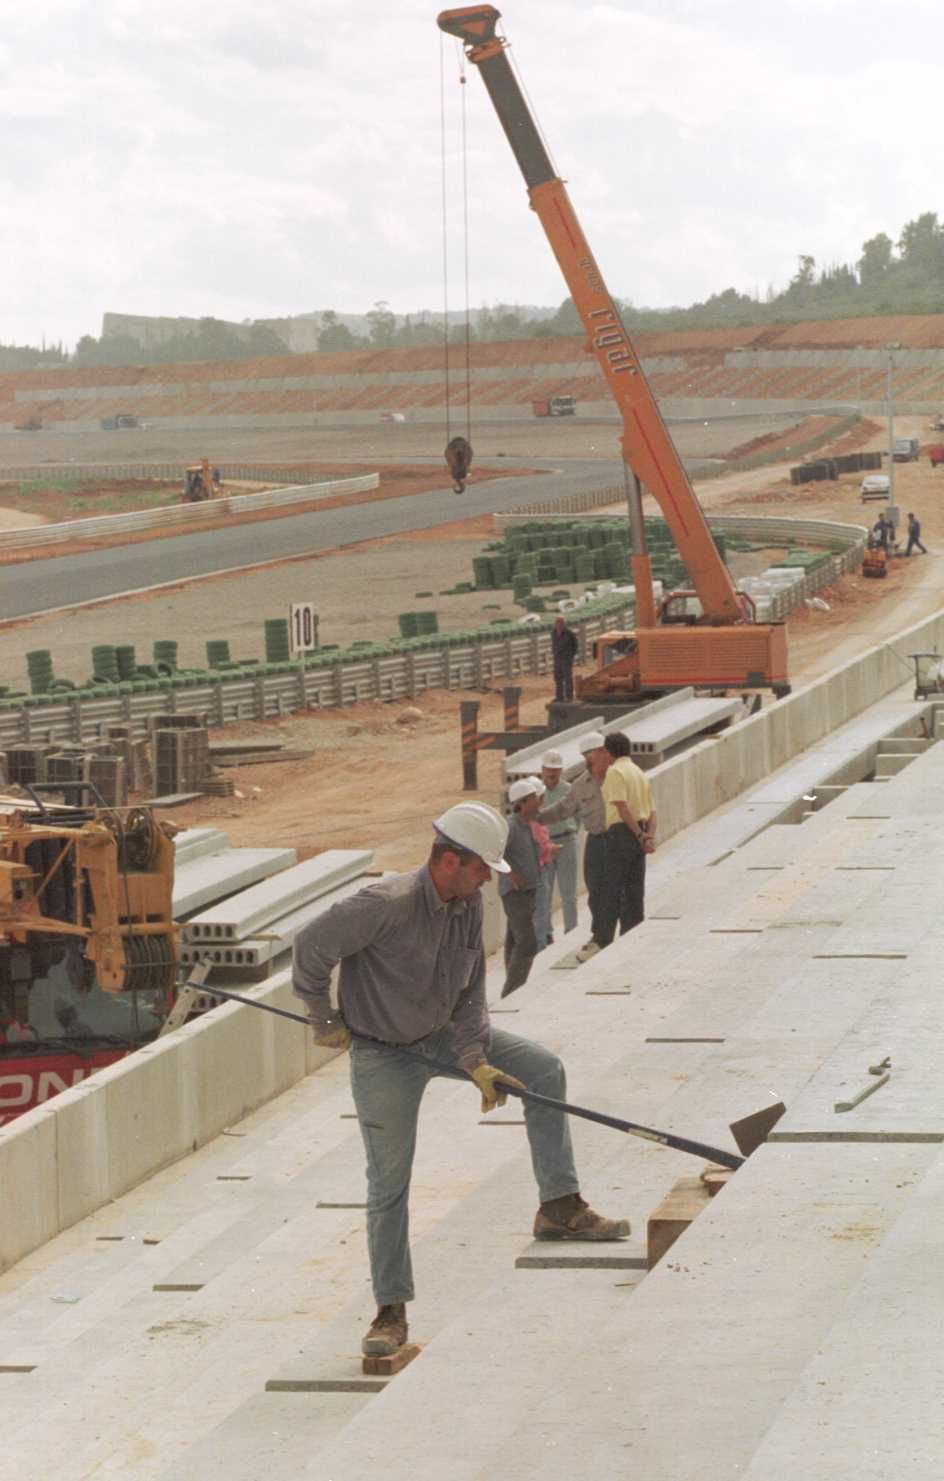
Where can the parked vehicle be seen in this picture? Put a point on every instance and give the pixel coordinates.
(555, 406)
(936, 454)
(875, 486)
(906, 449)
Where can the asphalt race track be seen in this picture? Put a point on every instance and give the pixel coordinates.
(38, 586)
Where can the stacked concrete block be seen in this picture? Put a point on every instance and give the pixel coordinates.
(109, 776)
(181, 759)
(27, 764)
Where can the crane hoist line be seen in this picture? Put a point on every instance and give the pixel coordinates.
(724, 647)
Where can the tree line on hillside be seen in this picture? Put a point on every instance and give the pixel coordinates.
(903, 277)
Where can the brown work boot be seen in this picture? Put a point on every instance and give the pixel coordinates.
(571, 1217)
(387, 1332)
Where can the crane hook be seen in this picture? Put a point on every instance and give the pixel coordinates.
(458, 460)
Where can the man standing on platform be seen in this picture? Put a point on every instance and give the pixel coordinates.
(517, 887)
(630, 836)
(584, 803)
(411, 1002)
(562, 867)
(564, 650)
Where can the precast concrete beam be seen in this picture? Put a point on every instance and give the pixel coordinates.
(195, 843)
(256, 908)
(255, 951)
(527, 762)
(215, 876)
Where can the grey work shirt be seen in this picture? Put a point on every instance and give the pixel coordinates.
(521, 852)
(585, 799)
(562, 827)
(411, 964)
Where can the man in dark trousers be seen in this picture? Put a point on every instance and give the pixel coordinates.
(914, 535)
(564, 650)
(518, 887)
(630, 836)
(882, 531)
(411, 1000)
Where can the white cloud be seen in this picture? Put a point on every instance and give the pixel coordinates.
(166, 158)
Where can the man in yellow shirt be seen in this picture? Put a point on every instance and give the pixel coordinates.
(630, 836)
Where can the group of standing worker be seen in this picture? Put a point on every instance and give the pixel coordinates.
(612, 799)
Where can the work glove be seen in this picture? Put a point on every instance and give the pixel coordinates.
(489, 1080)
(335, 1035)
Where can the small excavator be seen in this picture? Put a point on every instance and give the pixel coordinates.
(724, 647)
(200, 483)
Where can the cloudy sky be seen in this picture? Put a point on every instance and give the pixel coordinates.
(245, 160)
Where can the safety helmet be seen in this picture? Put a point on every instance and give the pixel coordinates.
(592, 741)
(479, 828)
(553, 760)
(522, 788)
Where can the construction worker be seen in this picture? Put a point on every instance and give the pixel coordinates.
(563, 837)
(914, 535)
(883, 530)
(630, 836)
(564, 651)
(413, 978)
(518, 887)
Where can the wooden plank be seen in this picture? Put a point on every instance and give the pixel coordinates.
(388, 1366)
(680, 1207)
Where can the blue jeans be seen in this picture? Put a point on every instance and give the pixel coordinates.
(563, 868)
(388, 1086)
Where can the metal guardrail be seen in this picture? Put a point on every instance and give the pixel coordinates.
(174, 514)
(318, 684)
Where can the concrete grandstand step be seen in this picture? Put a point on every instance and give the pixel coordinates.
(866, 1369)
(686, 1329)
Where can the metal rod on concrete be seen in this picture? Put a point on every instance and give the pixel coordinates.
(632, 1128)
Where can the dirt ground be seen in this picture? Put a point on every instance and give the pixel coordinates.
(375, 780)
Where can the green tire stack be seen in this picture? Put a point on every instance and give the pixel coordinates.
(104, 664)
(276, 640)
(217, 652)
(165, 652)
(39, 667)
(126, 661)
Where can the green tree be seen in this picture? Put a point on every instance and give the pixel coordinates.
(382, 325)
(333, 335)
(876, 260)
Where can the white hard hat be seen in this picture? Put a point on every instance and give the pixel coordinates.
(537, 786)
(479, 828)
(553, 760)
(520, 789)
(592, 741)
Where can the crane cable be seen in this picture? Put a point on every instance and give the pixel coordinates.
(458, 449)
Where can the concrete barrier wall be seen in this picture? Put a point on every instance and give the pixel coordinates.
(63, 1160)
(183, 514)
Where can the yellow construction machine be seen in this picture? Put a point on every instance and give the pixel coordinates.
(98, 881)
(200, 483)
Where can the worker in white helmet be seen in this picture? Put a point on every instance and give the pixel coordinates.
(412, 975)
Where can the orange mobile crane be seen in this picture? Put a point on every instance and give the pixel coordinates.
(726, 647)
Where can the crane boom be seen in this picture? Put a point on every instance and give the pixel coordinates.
(648, 450)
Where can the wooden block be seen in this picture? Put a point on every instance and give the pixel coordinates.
(386, 1367)
(680, 1207)
(715, 1178)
